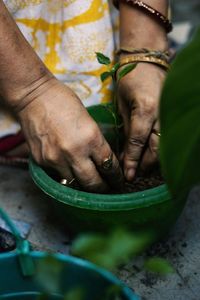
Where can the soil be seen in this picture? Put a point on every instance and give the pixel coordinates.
(142, 183)
(7, 241)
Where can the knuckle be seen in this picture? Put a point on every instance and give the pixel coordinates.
(147, 106)
(51, 157)
(96, 186)
(93, 136)
(137, 141)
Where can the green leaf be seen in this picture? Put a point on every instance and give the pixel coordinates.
(48, 275)
(111, 250)
(115, 67)
(105, 75)
(86, 244)
(77, 293)
(102, 59)
(158, 265)
(125, 70)
(180, 127)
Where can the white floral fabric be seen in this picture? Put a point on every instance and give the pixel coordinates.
(66, 34)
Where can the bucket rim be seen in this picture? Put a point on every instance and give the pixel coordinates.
(78, 262)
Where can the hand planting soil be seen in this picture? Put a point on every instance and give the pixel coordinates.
(140, 183)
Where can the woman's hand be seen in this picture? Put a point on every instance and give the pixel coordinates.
(138, 101)
(61, 135)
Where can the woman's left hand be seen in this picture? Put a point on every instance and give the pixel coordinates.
(138, 95)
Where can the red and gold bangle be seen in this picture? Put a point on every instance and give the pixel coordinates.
(152, 12)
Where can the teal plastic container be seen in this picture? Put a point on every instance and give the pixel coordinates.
(153, 209)
(19, 272)
(76, 273)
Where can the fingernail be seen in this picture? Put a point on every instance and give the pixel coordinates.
(129, 174)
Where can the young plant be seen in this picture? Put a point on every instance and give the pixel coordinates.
(113, 70)
(116, 73)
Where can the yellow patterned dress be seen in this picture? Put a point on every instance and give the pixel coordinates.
(66, 34)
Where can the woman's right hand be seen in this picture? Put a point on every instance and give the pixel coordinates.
(62, 135)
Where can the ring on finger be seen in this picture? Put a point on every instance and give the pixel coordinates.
(156, 132)
(67, 182)
(108, 163)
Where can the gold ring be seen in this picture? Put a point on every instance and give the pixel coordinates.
(156, 132)
(67, 182)
(108, 162)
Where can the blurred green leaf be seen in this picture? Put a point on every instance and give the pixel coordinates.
(48, 274)
(112, 250)
(113, 293)
(180, 128)
(158, 265)
(125, 70)
(87, 243)
(75, 294)
(105, 75)
(43, 297)
(102, 59)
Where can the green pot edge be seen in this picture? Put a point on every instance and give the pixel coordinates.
(101, 202)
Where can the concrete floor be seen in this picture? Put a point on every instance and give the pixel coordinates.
(29, 208)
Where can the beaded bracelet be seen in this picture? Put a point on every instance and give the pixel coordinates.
(160, 18)
(142, 58)
(145, 51)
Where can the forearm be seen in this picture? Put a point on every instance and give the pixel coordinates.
(139, 30)
(21, 70)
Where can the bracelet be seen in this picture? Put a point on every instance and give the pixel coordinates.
(160, 18)
(142, 58)
(146, 51)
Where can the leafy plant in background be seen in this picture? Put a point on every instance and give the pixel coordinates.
(109, 251)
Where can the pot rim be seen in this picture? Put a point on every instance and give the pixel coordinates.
(99, 202)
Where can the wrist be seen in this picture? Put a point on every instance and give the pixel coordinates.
(139, 30)
(17, 99)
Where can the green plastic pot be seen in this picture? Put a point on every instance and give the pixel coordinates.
(19, 275)
(152, 209)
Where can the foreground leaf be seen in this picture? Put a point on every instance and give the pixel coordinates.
(180, 126)
(111, 250)
(159, 265)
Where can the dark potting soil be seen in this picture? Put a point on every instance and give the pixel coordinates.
(7, 241)
(142, 183)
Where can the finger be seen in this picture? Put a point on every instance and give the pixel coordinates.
(140, 127)
(64, 173)
(113, 175)
(67, 177)
(125, 114)
(89, 178)
(150, 157)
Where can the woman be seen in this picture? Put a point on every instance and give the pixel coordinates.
(57, 128)
(45, 91)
